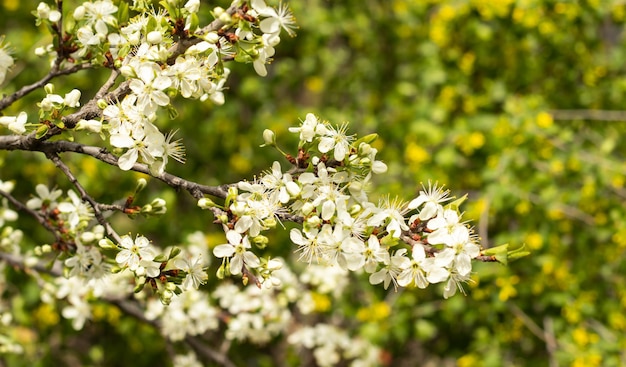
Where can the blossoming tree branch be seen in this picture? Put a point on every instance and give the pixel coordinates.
(157, 54)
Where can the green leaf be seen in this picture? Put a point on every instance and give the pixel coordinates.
(41, 131)
(174, 252)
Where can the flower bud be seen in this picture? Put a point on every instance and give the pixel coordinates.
(167, 296)
(107, 244)
(221, 272)
(379, 167)
(225, 18)
(217, 11)
(43, 10)
(269, 137)
(140, 271)
(212, 37)
(355, 209)
(307, 208)
(270, 222)
(87, 237)
(49, 88)
(158, 203)
(192, 6)
(365, 149)
(314, 221)
(154, 37)
(260, 241)
(102, 104)
(206, 203)
(79, 12)
(72, 99)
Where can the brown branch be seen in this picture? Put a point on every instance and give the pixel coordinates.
(21, 207)
(28, 143)
(10, 99)
(84, 195)
(595, 115)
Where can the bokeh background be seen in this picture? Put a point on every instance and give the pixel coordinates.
(516, 102)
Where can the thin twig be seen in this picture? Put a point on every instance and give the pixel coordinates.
(84, 195)
(10, 99)
(527, 321)
(551, 345)
(21, 207)
(595, 115)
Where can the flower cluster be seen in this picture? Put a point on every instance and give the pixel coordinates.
(331, 346)
(417, 243)
(143, 48)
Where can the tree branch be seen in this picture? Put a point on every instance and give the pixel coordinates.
(10, 99)
(29, 143)
(84, 195)
(21, 207)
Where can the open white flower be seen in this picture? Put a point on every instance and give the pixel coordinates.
(195, 272)
(46, 198)
(275, 19)
(237, 248)
(336, 139)
(134, 251)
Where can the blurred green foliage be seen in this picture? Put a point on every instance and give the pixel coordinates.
(467, 92)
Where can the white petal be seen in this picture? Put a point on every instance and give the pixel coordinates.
(127, 160)
(225, 250)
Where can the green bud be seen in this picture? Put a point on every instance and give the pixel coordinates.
(175, 251)
(518, 253)
(389, 241)
(160, 258)
(496, 250)
(41, 131)
(270, 222)
(107, 244)
(102, 104)
(260, 241)
(220, 272)
(206, 203)
(141, 184)
(49, 88)
(139, 287)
